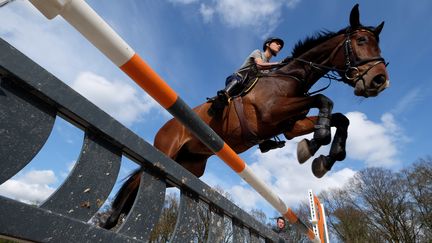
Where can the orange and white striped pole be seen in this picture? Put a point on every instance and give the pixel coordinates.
(80, 15)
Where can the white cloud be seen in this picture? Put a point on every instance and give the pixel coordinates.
(245, 197)
(122, 101)
(183, 1)
(207, 13)
(280, 171)
(239, 13)
(32, 187)
(373, 143)
(41, 39)
(408, 100)
(262, 15)
(290, 180)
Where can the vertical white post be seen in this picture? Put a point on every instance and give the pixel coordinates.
(327, 239)
(314, 219)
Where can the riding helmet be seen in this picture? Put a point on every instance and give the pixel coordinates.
(271, 39)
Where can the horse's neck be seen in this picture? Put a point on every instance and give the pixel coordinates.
(323, 54)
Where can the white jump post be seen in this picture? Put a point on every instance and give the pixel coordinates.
(83, 18)
(318, 218)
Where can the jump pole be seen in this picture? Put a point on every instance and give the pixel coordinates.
(84, 19)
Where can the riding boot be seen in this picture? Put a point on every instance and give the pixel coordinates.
(225, 94)
(267, 145)
(222, 99)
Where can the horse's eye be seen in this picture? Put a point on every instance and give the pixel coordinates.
(362, 40)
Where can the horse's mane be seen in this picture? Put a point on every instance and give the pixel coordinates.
(310, 42)
(322, 36)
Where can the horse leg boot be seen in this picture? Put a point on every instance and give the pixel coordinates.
(322, 164)
(337, 150)
(322, 134)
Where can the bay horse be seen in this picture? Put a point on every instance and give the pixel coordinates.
(279, 104)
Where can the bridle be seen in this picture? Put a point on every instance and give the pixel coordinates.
(352, 63)
(351, 73)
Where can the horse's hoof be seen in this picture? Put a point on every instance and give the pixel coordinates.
(318, 166)
(303, 151)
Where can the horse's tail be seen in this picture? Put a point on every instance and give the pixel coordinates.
(123, 200)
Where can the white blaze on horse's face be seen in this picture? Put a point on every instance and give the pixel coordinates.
(371, 77)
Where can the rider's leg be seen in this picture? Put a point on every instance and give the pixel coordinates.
(226, 93)
(222, 99)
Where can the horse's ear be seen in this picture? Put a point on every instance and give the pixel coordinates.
(355, 17)
(378, 29)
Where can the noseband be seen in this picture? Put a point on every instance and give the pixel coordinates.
(351, 72)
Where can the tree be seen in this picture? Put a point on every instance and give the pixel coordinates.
(163, 230)
(419, 185)
(383, 196)
(345, 220)
(259, 215)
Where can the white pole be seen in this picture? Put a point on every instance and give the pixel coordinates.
(327, 239)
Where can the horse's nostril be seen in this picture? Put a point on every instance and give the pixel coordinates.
(379, 79)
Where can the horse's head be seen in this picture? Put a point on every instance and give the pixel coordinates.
(363, 67)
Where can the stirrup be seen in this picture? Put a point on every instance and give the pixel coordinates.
(270, 144)
(216, 108)
(223, 96)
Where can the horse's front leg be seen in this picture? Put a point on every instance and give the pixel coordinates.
(307, 148)
(323, 164)
(322, 134)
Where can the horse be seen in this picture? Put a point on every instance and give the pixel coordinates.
(279, 103)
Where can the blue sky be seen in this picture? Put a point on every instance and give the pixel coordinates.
(193, 45)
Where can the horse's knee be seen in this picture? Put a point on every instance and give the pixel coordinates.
(340, 120)
(322, 136)
(323, 101)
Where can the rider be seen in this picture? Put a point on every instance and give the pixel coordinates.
(271, 47)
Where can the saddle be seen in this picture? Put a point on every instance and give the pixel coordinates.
(217, 106)
(249, 77)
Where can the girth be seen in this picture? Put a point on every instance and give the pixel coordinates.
(250, 137)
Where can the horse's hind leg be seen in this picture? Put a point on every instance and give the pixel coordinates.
(195, 163)
(322, 164)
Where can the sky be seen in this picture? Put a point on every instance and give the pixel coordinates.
(194, 45)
